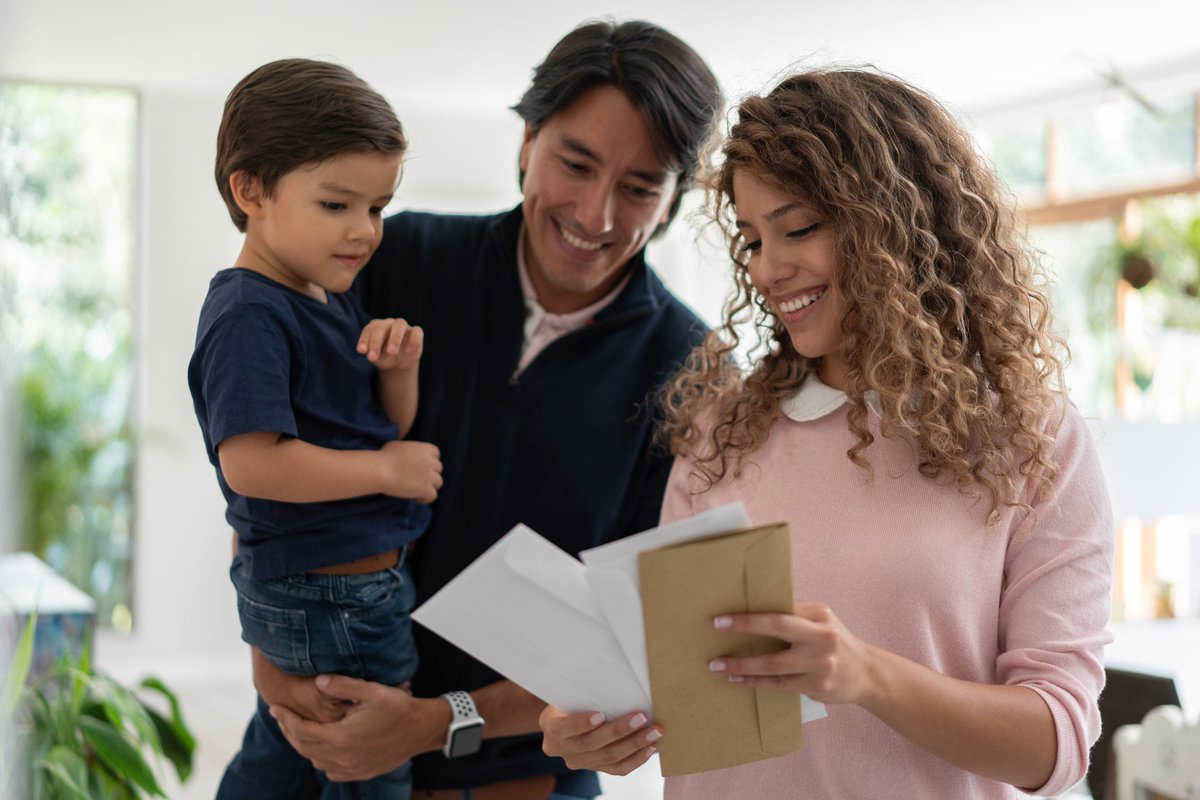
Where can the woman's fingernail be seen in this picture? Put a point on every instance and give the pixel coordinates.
(654, 735)
(596, 719)
(722, 622)
(637, 721)
(716, 665)
(736, 679)
(651, 750)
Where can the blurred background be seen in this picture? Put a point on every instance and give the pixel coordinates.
(110, 228)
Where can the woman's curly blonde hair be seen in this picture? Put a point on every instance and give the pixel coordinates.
(949, 320)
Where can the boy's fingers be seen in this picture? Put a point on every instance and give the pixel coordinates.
(395, 335)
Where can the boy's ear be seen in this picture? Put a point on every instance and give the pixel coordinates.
(247, 193)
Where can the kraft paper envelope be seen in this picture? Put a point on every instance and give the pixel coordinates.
(709, 722)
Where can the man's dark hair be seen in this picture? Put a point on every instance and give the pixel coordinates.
(663, 78)
(296, 111)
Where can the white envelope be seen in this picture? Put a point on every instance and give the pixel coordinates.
(525, 609)
(612, 571)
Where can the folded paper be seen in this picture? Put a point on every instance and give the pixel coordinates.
(575, 635)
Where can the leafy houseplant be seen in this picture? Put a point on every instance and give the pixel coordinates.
(82, 734)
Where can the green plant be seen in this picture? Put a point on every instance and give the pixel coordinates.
(1163, 263)
(83, 735)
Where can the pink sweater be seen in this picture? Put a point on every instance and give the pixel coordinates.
(909, 566)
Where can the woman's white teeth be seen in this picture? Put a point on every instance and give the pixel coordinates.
(801, 302)
(575, 241)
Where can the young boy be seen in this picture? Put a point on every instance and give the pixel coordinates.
(303, 401)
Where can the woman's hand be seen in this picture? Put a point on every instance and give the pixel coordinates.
(586, 741)
(824, 660)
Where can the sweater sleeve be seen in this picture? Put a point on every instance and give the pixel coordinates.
(1056, 602)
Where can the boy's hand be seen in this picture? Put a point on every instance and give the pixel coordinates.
(411, 470)
(391, 343)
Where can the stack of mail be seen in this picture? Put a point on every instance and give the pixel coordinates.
(575, 634)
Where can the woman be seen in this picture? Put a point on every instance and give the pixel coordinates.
(903, 410)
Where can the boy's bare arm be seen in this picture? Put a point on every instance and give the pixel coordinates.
(270, 466)
(398, 396)
(395, 348)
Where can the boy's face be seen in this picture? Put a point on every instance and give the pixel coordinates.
(321, 223)
(594, 194)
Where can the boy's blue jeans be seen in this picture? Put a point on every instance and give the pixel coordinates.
(309, 624)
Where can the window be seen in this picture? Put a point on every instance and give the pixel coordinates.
(67, 172)
(1112, 193)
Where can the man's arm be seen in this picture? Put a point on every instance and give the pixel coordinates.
(385, 726)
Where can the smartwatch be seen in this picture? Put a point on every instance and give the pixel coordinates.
(465, 735)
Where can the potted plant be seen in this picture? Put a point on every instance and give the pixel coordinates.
(82, 734)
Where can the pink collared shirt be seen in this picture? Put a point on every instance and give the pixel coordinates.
(908, 565)
(542, 327)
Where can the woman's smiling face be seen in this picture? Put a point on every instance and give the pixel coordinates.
(790, 255)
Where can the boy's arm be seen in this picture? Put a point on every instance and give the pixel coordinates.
(398, 396)
(271, 466)
(395, 347)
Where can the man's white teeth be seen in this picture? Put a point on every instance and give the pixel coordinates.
(575, 241)
(801, 302)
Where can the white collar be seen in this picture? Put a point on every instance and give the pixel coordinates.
(814, 400)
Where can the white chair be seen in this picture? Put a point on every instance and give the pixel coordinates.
(1158, 759)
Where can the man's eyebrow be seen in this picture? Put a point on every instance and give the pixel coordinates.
(576, 146)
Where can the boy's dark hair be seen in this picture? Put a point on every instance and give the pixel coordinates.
(664, 79)
(297, 111)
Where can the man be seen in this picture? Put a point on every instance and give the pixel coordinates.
(546, 339)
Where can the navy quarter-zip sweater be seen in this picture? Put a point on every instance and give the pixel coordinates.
(565, 447)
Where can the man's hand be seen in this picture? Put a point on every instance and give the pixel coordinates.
(586, 741)
(297, 693)
(384, 727)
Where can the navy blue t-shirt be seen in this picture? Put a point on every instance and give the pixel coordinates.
(269, 358)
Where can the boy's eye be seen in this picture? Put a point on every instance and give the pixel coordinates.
(376, 210)
(330, 206)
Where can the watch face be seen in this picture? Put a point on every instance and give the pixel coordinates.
(467, 740)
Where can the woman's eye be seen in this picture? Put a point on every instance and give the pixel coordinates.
(751, 247)
(801, 232)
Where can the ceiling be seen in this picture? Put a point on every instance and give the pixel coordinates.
(472, 53)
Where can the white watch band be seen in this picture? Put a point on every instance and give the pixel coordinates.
(465, 718)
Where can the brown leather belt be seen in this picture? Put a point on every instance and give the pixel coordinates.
(538, 787)
(375, 563)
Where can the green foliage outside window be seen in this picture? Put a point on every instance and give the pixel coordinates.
(66, 263)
